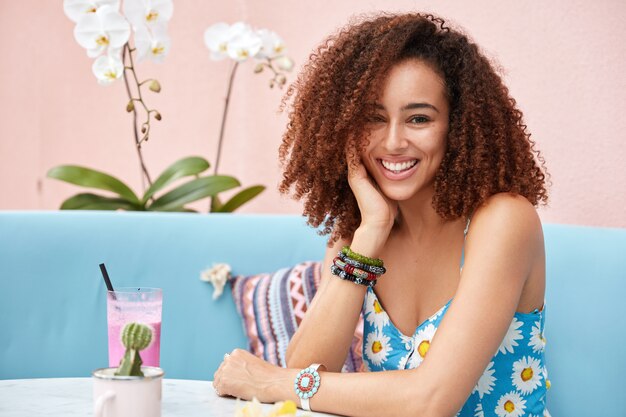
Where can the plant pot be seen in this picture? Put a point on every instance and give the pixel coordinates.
(121, 396)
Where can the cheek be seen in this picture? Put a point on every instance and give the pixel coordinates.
(369, 165)
(366, 157)
(436, 146)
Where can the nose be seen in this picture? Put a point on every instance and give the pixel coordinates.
(394, 140)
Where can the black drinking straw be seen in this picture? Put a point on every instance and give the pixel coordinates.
(107, 280)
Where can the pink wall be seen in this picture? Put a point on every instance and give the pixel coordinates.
(564, 62)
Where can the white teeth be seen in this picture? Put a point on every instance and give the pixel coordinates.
(398, 166)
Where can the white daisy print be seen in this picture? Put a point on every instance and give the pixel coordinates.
(510, 405)
(526, 374)
(377, 347)
(374, 313)
(486, 382)
(403, 361)
(546, 413)
(537, 341)
(544, 374)
(422, 342)
(478, 412)
(511, 337)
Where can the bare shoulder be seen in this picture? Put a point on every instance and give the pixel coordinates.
(507, 211)
(509, 221)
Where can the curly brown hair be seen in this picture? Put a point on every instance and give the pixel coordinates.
(488, 148)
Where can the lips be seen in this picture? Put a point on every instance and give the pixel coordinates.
(398, 170)
(398, 167)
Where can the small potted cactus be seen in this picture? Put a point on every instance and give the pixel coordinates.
(135, 337)
(135, 388)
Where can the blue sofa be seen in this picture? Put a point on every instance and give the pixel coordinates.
(53, 304)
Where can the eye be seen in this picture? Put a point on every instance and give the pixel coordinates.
(419, 119)
(376, 118)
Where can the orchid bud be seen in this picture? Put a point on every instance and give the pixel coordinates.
(155, 86)
(130, 106)
(143, 129)
(157, 115)
(258, 68)
(281, 79)
(285, 63)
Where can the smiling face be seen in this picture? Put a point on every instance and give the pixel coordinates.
(408, 133)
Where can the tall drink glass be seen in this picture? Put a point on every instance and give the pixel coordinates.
(134, 304)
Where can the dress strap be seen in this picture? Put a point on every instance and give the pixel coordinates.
(469, 219)
(465, 231)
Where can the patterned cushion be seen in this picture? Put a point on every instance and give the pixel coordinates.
(273, 305)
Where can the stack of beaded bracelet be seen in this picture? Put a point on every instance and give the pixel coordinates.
(356, 268)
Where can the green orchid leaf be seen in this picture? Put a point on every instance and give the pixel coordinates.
(192, 165)
(176, 210)
(240, 199)
(87, 177)
(88, 201)
(194, 190)
(216, 203)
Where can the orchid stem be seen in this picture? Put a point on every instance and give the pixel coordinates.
(224, 114)
(145, 177)
(213, 201)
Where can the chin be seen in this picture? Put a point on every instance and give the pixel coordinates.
(398, 195)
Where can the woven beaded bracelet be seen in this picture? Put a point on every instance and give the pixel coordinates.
(335, 270)
(353, 270)
(378, 270)
(361, 258)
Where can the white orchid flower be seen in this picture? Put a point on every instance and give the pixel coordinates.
(108, 68)
(244, 46)
(272, 45)
(76, 9)
(106, 28)
(284, 63)
(116, 53)
(153, 43)
(218, 36)
(148, 12)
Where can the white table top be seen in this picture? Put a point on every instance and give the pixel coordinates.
(69, 397)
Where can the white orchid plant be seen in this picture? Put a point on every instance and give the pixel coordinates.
(240, 43)
(105, 28)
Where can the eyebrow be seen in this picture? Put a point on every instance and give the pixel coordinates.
(411, 106)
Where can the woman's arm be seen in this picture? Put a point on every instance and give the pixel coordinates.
(504, 247)
(326, 332)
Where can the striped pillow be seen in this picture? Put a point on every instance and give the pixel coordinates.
(272, 307)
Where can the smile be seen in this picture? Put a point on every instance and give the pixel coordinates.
(398, 167)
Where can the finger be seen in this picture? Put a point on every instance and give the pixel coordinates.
(216, 388)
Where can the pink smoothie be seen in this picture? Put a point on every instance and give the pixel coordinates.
(150, 356)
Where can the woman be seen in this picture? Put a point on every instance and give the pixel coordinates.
(404, 142)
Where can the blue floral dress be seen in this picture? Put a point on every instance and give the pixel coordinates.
(514, 384)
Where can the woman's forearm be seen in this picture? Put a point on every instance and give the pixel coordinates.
(365, 394)
(326, 333)
(327, 330)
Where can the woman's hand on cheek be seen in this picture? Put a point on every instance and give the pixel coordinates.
(377, 211)
(243, 375)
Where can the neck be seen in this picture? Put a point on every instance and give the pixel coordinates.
(417, 218)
